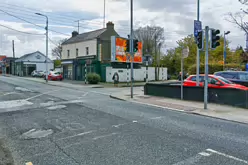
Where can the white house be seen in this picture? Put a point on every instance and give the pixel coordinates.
(27, 63)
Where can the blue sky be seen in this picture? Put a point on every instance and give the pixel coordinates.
(176, 17)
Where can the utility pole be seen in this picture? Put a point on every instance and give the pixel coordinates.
(198, 51)
(104, 13)
(206, 70)
(78, 21)
(13, 48)
(131, 45)
(156, 62)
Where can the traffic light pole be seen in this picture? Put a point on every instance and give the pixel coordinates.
(198, 50)
(131, 46)
(206, 69)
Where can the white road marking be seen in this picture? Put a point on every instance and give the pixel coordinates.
(14, 103)
(103, 136)
(204, 154)
(158, 106)
(22, 89)
(154, 118)
(56, 107)
(42, 94)
(118, 125)
(86, 93)
(80, 134)
(10, 93)
(135, 121)
(227, 156)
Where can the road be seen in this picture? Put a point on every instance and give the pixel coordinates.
(51, 125)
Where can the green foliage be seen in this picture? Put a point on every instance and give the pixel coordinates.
(214, 67)
(172, 60)
(57, 63)
(93, 78)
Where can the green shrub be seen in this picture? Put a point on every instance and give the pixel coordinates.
(213, 68)
(93, 78)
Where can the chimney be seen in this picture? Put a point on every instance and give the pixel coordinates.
(74, 33)
(110, 25)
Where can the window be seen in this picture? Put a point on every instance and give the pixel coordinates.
(68, 53)
(212, 80)
(201, 78)
(77, 52)
(243, 76)
(229, 75)
(87, 51)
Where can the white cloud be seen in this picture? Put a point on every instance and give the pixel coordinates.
(175, 16)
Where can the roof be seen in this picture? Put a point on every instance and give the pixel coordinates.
(85, 36)
(22, 58)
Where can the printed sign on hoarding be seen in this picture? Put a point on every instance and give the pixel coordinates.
(118, 51)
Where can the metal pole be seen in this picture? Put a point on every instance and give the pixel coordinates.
(146, 70)
(13, 47)
(182, 77)
(85, 73)
(46, 48)
(127, 75)
(206, 70)
(198, 51)
(131, 47)
(224, 52)
(104, 13)
(156, 61)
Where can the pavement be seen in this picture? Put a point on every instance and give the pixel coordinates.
(214, 110)
(44, 124)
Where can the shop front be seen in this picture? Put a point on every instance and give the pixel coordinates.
(68, 69)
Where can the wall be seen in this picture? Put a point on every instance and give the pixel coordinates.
(139, 74)
(41, 66)
(81, 46)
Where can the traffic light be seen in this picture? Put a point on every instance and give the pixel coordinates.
(135, 45)
(199, 40)
(127, 45)
(214, 41)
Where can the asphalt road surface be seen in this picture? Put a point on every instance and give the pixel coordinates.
(51, 125)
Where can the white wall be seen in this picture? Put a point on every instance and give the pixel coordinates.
(81, 46)
(139, 74)
(41, 66)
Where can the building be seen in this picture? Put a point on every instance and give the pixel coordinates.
(27, 63)
(87, 52)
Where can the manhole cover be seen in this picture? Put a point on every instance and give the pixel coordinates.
(36, 134)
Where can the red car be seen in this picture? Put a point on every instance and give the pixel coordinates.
(55, 76)
(213, 82)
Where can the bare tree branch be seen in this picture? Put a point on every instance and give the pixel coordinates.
(237, 19)
(57, 51)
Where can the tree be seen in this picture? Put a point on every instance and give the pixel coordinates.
(57, 51)
(172, 60)
(237, 18)
(153, 39)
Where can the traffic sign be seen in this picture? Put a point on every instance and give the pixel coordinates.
(197, 27)
(185, 52)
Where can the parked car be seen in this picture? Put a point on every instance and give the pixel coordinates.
(213, 82)
(238, 77)
(35, 73)
(54, 76)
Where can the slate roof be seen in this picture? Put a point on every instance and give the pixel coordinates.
(22, 58)
(85, 36)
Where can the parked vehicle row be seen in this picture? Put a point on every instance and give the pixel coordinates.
(214, 81)
(52, 75)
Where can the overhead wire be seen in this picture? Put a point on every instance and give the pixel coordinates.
(19, 30)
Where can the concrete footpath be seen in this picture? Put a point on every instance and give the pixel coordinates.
(214, 110)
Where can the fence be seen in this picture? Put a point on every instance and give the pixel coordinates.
(233, 97)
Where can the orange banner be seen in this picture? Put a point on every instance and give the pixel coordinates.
(122, 56)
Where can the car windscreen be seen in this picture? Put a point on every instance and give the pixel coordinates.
(224, 80)
(243, 76)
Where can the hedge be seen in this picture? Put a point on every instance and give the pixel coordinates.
(213, 68)
(93, 78)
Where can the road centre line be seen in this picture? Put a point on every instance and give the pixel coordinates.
(42, 94)
(227, 156)
(103, 136)
(80, 134)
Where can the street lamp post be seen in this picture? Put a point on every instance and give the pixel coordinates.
(46, 43)
(224, 52)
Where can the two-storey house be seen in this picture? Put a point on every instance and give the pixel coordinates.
(87, 52)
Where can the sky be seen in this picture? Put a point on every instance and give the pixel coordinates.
(175, 16)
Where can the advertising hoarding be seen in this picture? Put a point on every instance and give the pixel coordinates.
(118, 51)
